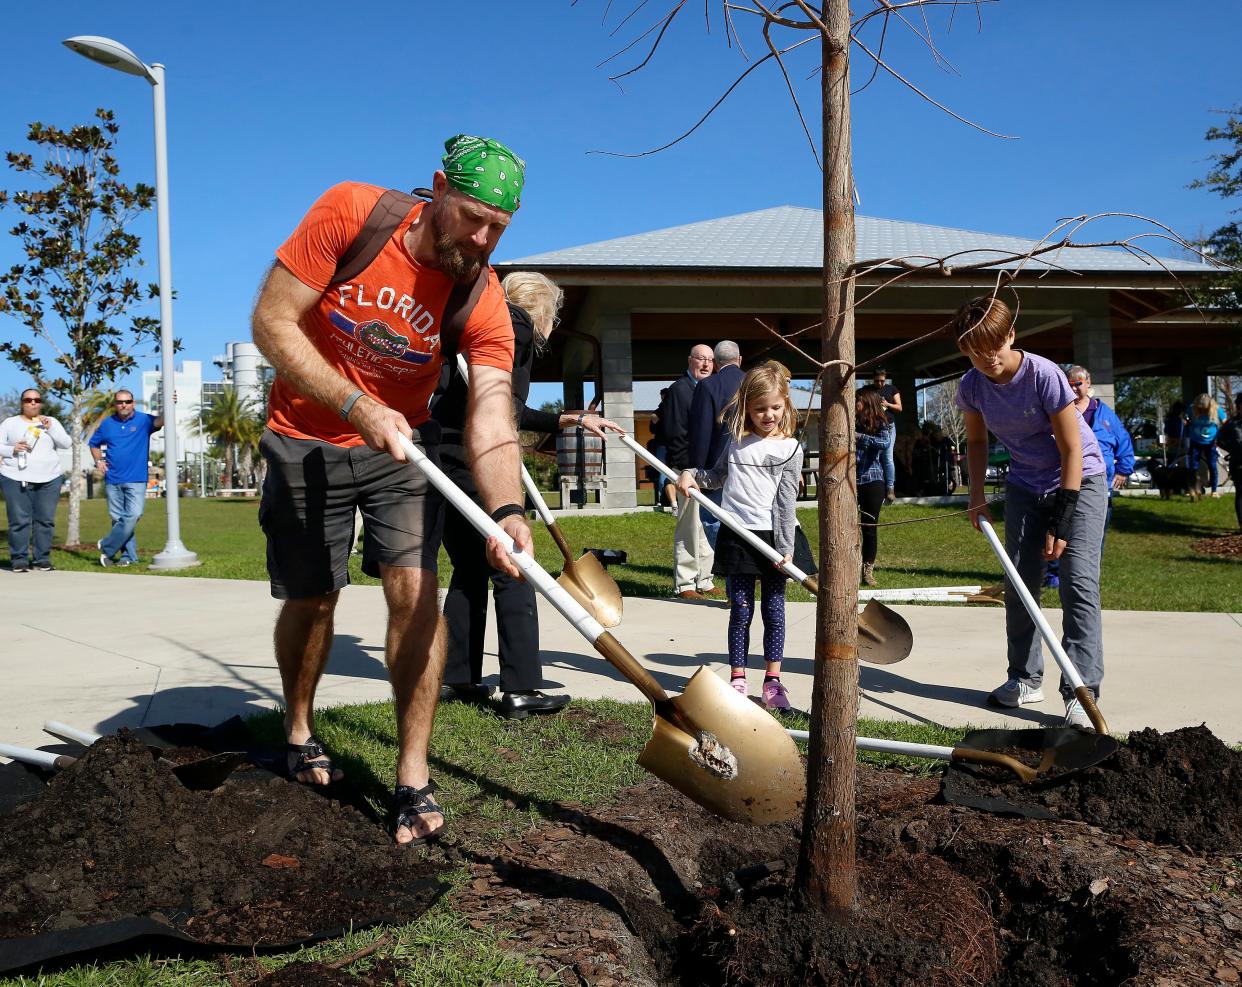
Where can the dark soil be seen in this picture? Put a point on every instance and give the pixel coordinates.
(1183, 788)
(257, 861)
(639, 892)
(1230, 546)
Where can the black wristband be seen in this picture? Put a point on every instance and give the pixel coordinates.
(507, 510)
(1064, 503)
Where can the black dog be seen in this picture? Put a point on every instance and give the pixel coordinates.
(1173, 479)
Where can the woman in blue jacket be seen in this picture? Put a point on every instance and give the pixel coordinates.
(1202, 425)
(1116, 446)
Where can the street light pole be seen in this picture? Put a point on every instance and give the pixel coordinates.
(115, 55)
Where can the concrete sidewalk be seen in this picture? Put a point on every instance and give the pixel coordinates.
(102, 651)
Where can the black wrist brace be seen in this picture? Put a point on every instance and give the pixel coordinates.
(1064, 503)
(507, 510)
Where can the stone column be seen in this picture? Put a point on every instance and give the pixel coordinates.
(613, 330)
(1093, 349)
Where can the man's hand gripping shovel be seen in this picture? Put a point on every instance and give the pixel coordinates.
(711, 744)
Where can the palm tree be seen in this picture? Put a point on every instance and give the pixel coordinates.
(232, 421)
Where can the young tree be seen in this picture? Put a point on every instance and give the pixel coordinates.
(233, 423)
(1225, 179)
(73, 292)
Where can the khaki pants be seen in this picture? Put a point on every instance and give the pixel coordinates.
(692, 555)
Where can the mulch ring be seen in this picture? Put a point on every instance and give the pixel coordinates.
(257, 862)
(1229, 546)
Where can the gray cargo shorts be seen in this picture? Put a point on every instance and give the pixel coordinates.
(310, 495)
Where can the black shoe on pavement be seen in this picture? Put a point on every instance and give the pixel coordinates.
(20, 567)
(465, 693)
(519, 705)
(44, 566)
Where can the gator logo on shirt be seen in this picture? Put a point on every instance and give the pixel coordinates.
(377, 336)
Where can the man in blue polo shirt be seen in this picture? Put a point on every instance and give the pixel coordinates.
(126, 434)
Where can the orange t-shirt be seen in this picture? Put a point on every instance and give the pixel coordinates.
(380, 331)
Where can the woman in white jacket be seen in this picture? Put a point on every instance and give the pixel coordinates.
(31, 476)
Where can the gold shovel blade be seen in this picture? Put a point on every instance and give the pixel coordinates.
(770, 782)
(588, 582)
(884, 636)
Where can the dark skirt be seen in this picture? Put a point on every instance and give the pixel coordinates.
(735, 557)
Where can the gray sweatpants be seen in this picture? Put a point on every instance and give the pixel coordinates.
(1026, 523)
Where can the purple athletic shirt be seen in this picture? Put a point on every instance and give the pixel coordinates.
(1019, 414)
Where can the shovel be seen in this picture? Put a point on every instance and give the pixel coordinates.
(884, 637)
(202, 774)
(1084, 694)
(711, 744)
(585, 579)
(1061, 750)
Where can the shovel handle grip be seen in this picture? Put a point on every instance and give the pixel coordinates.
(934, 752)
(40, 759)
(58, 729)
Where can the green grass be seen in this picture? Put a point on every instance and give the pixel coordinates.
(1148, 563)
(498, 778)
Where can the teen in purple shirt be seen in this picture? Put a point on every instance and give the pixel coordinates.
(1056, 496)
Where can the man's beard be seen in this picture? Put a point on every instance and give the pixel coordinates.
(456, 263)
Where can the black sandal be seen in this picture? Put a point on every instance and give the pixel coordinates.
(409, 803)
(310, 755)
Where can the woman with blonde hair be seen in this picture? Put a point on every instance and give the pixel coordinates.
(1202, 426)
(534, 304)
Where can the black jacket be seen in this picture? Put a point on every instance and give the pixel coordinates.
(675, 419)
(707, 436)
(449, 404)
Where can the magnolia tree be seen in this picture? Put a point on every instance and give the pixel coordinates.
(73, 291)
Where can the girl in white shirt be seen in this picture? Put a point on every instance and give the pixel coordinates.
(760, 470)
(31, 477)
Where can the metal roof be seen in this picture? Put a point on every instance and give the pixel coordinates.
(791, 237)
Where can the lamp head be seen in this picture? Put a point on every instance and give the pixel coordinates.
(111, 53)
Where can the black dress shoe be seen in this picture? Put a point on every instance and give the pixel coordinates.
(519, 705)
(465, 693)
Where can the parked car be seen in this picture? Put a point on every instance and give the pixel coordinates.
(1141, 477)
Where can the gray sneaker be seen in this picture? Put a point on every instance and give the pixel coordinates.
(1076, 716)
(103, 559)
(1015, 693)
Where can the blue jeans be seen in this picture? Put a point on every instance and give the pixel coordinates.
(126, 502)
(890, 468)
(1208, 454)
(30, 506)
(711, 523)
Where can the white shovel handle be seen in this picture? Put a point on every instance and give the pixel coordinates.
(570, 609)
(528, 481)
(1032, 607)
(760, 546)
(58, 729)
(40, 759)
(932, 751)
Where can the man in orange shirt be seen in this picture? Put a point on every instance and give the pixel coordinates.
(357, 363)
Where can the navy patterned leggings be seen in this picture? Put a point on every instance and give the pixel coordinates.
(741, 593)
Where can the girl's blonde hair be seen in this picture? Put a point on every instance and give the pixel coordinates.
(762, 380)
(538, 295)
(1205, 407)
(982, 326)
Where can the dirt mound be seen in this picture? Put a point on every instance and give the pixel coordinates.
(1183, 788)
(257, 861)
(1229, 546)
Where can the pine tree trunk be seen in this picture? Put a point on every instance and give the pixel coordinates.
(827, 874)
(73, 528)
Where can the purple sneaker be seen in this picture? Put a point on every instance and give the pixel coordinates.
(775, 697)
(738, 682)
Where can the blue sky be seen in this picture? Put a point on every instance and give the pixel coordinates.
(268, 104)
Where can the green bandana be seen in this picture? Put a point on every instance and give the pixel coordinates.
(485, 170)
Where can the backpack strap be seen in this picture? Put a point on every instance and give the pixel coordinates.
(381, 223)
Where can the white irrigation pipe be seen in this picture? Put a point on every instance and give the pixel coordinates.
(58, 729)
